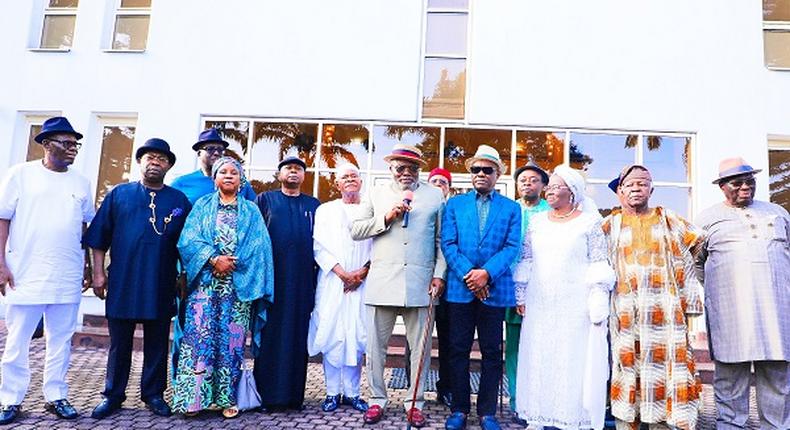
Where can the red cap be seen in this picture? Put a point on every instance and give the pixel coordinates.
(441, 172)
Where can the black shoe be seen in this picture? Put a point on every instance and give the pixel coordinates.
(520, 421)
(8, 413)
(158, 406)
(445, 397)
(62, 408)
(104, 409)
(356, 402)
(331, 403)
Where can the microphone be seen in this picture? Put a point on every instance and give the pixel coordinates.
(408, 196)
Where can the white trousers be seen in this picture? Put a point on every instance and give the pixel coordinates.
(21, 321)
(344, 379)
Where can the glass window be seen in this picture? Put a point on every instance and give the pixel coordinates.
(675, 198)
(667, 157)
(344, 143)
(115, 161)
(462, 143)
(779, 179)
(777, 48)
(34, 149)
(135, 3)
(58, 31)
(266, 180)
(446, 34)
(426, 139)
(444, 88)
(602, 156)
(776, 10)
(545, 147)
(273, 141)
(131, 32)
(454, 4)
(603, 197)
(236, 133)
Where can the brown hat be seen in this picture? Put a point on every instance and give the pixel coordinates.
(735, 166)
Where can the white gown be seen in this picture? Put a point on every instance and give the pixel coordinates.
(563, 279)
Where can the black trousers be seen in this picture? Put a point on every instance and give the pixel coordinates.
(119, 360)
(443, 338)
(463, 319)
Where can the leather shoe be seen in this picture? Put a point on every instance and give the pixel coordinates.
(489, 422)
(8, 413)
(456, 421)
(373, 415)
(331, 403)
(62, 408)
(158, 406)
(356, 402)
(416, 418)
(520, 421)
(105, 408)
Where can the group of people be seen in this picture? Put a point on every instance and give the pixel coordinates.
(594, 309)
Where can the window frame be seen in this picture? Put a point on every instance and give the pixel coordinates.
(774, 27)
(120, 11)
(54, 11)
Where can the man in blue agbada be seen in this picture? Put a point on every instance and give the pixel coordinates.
(227, 254)
(140, 222)
(209, 147)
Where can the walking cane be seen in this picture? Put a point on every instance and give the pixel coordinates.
(416, 385)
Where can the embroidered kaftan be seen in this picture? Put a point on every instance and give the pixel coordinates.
(569, 278)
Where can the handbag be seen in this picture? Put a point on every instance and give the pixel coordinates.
(247, 396)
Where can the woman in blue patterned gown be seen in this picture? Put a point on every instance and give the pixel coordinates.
(226, 251)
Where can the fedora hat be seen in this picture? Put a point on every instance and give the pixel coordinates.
(486, 153)
(402, 151)
(209, 135)
(734, 166)
(156, 145)
(56, 125)
(531, 165)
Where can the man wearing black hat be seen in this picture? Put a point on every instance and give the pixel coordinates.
(209, 147)
(281, 367)
(141, 221)
(44, 207)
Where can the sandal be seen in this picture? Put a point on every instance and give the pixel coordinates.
(230, 412)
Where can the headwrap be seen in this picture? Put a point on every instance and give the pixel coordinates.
(230, 160)
(576, 183)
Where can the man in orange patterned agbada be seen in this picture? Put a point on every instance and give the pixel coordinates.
(654, 380)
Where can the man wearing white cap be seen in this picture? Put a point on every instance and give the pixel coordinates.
(337, 328)
(745, 264)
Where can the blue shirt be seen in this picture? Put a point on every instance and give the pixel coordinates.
(196, 185)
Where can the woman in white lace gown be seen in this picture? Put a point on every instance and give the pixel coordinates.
(563, 283)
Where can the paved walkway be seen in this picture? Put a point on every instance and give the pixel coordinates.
(86, 379)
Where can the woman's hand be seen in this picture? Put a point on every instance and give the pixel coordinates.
(224, 264)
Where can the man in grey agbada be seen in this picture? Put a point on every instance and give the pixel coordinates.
(745, 263)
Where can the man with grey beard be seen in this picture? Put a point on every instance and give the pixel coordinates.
(406, 273)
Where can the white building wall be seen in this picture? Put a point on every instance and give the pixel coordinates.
(668, 65)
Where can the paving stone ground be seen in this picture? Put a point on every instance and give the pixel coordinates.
(86, 379)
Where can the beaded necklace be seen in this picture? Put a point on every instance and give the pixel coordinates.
(152, 220)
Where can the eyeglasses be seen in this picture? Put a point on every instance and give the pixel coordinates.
(488, 170)
(555, 187)
(67, 144)
(738, 183)
(160, 158)
(530, 180)
(216, 149)
(413, 168)
(438, 180)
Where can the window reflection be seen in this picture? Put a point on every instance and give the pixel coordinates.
(446, 34)
(266, 180)
(603, 197)
(426, 139)
(454, 4)
(667, 157)
(344, 143)
(445, 81)
(58, 31)
(462, 143)
(602, 156)
(115, 160)
(546, 148)
(236, 133)
(135, 3)
(779, 181)
(63, 3)
(777, 48)
(131, 32)
(34, 150)
(273, 141)
(776, 10)
(674, 198)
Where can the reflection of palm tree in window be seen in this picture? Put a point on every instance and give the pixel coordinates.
(461, 144)
(578, 159)
(428, 144)
(116, 159)
(447, 100)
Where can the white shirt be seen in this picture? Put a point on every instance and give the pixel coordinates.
(46, 209)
